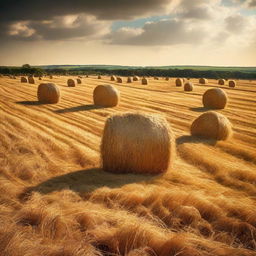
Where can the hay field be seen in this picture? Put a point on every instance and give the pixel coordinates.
(56, 201)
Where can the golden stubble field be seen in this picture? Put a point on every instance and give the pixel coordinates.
(55, 200)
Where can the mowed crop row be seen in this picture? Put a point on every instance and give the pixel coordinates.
(54, 192)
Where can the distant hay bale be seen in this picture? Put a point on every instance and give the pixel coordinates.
(99, 76)
(119, 79)
(113, 78)
(48, 93)
(144, 81)
(215, 98)
(137, 143)
(31, 80)
(136, 78)
(211, 125)
(23, 79)
(79, 81)
(39, 78)
(80, 77)
(129, 79)
(232, 83)
(221, 82)
(156, 78)
(179, 82)
(71, 83)
(51, 77)
(106, 96)
(87, 76)
(203, 81)
(188, 87)
(167, 78)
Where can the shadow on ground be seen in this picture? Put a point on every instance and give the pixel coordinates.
(86, 181)
(199, 109)
(79, 108)
(30, 103)
(194, 140)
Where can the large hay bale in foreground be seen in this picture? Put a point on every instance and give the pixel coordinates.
(31, 80)
(129, 79)
(119, 79)
(48, 93)
(23, 79)
(106, 96)
(232, 83)
(79, 81)
(215, 98)
(188, 87)
(203, 81)
(212, 125)
(71, 83)
(136, 78)
(144, 81)
(137, 143)
(221, 82)
(113, 78)
(179, 82)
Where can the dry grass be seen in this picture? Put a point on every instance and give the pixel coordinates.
(55, 200)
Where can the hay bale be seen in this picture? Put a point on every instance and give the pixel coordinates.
(221, 82)
(113, 78)
(156, 78)
(48, 93)
(211, 125)
(31, 80)
(79, 81)
(137, 143)
(23, 79)
(215, 98)
(136, 78)
(119, 79)
(144, 81)
(179, 82)
(71, 83)
(129, 79)
(232, 83)
(106, 96)
(39, 78)
(167, 78)
(188, 87)
(203, 81)
(87, 76)
(99, 76)
(51, 77)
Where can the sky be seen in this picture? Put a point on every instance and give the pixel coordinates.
(128, 32)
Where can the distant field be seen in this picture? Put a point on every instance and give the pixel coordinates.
(55, 200)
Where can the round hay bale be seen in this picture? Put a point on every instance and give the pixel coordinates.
(39, 78)
(87, 76)
(221, 82)
(23, 79)
(215, 98)
(129, 79)
(113, 78)
(48, 93)
(31, 80)
(79, 81)
(232, 83)
(119, 79)
(71, 83)
(106, 96)
(211, 125)
(179, 82)
(99, 76)
(144, 81)
(137, 143)
(156, 78)
(136, 78)
(51, 77)
(167, 78)
(203, 81)
(188, 87)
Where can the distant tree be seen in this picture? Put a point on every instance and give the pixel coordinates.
(26, 66)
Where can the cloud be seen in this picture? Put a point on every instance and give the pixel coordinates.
(236, 23)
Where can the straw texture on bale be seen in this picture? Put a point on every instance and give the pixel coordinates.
(144, 81)
(71, 83)
(211, 125)
(119, 80)
(113, 78)
(106, 96)
(31, 80)
(48, 93)
(188, 87)
(179, 82)
(232, 83)
(129, 79)
(79, 81)
(215, 98)
(136, 78)
(203, 81)
(23, 79)
(137, 143)
(99, 77)
(221, 82)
